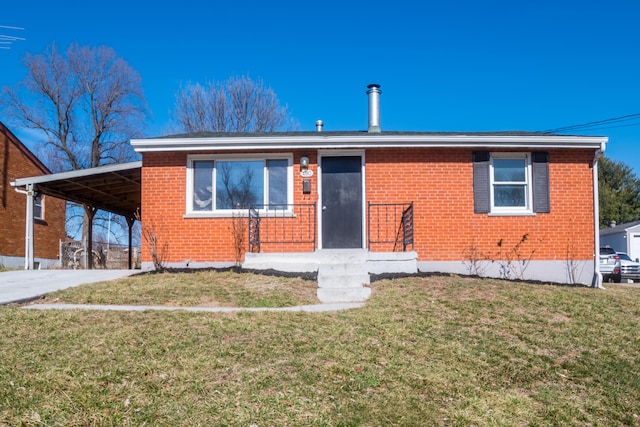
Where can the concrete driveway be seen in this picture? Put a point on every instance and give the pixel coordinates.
(23, 285)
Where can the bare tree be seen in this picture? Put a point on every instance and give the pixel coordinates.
(86, 103)
(239, 234)
(237, 105)
(158, 249)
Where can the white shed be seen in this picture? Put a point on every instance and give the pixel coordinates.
(623, 238)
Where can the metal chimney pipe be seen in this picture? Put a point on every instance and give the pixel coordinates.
(319, 125)
(374, 107)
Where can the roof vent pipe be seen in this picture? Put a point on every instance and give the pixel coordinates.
(374, 107)
(319, 125)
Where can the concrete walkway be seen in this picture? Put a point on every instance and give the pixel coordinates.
(316, 308)
(20, 286)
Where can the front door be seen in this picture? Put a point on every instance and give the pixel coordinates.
(341, 202)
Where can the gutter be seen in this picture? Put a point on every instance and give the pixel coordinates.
(323, 140)
(597, 275)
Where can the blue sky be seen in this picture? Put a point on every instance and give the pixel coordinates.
(442, 66)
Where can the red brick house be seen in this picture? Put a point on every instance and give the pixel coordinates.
(502, 204)
(16, 161)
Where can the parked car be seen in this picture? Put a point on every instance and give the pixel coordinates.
(629, 268)
(610, 265)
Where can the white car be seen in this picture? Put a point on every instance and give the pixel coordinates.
(630, 269)
(610, 265)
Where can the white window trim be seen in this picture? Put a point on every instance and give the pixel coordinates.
(35, 203)
(228, 213)
(510, 210)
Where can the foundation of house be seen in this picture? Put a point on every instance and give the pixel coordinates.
(343, 274)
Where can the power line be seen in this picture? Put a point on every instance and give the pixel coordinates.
(599, 124)
(614, 127)
(6, 41)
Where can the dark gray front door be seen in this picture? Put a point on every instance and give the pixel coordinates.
(341, 202)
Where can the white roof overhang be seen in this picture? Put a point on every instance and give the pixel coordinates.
(367, 141)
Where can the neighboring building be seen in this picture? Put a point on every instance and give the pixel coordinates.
(502, 204)
(623, 238)
(16, 161)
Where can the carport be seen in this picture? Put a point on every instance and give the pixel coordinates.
(112, 188)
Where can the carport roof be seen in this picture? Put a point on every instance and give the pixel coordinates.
(113, 188)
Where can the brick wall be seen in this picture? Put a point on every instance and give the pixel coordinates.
(15, 163)
(438, 181)
(194, 239)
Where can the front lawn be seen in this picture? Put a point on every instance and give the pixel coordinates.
(198, 288)
(423, 351)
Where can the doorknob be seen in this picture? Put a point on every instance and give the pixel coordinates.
(324, 208)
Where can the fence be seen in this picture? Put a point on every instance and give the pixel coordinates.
(105, 256)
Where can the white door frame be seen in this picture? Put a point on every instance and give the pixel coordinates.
(342, 153)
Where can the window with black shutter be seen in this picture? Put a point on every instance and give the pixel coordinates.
(511, 183)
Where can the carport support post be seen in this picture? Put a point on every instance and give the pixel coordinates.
(28, 240)
(130, 222)
(91, 213)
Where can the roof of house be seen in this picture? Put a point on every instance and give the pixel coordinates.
(338, 133)
(23, 148)
(619, 228)
(364, 139)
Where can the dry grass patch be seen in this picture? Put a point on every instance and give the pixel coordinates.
(204, 288)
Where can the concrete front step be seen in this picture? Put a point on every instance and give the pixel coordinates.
(287, 262)
(306, 262)
(340, 269)
(335, 295)
(343, 274)
(343, 282)
(342, 256)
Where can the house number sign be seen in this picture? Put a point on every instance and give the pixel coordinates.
(306, 173)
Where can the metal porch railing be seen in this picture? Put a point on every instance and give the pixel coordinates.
(282, 224)
(389, 223)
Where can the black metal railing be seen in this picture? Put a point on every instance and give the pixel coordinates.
(293, 224)
(390, 223)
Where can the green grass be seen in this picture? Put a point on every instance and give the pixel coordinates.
(423, 351)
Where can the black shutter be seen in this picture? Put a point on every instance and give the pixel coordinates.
(481, 182)
(540, 165)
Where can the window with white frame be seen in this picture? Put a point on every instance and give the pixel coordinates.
(510, 176)
(224, 183)
(38, 207)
